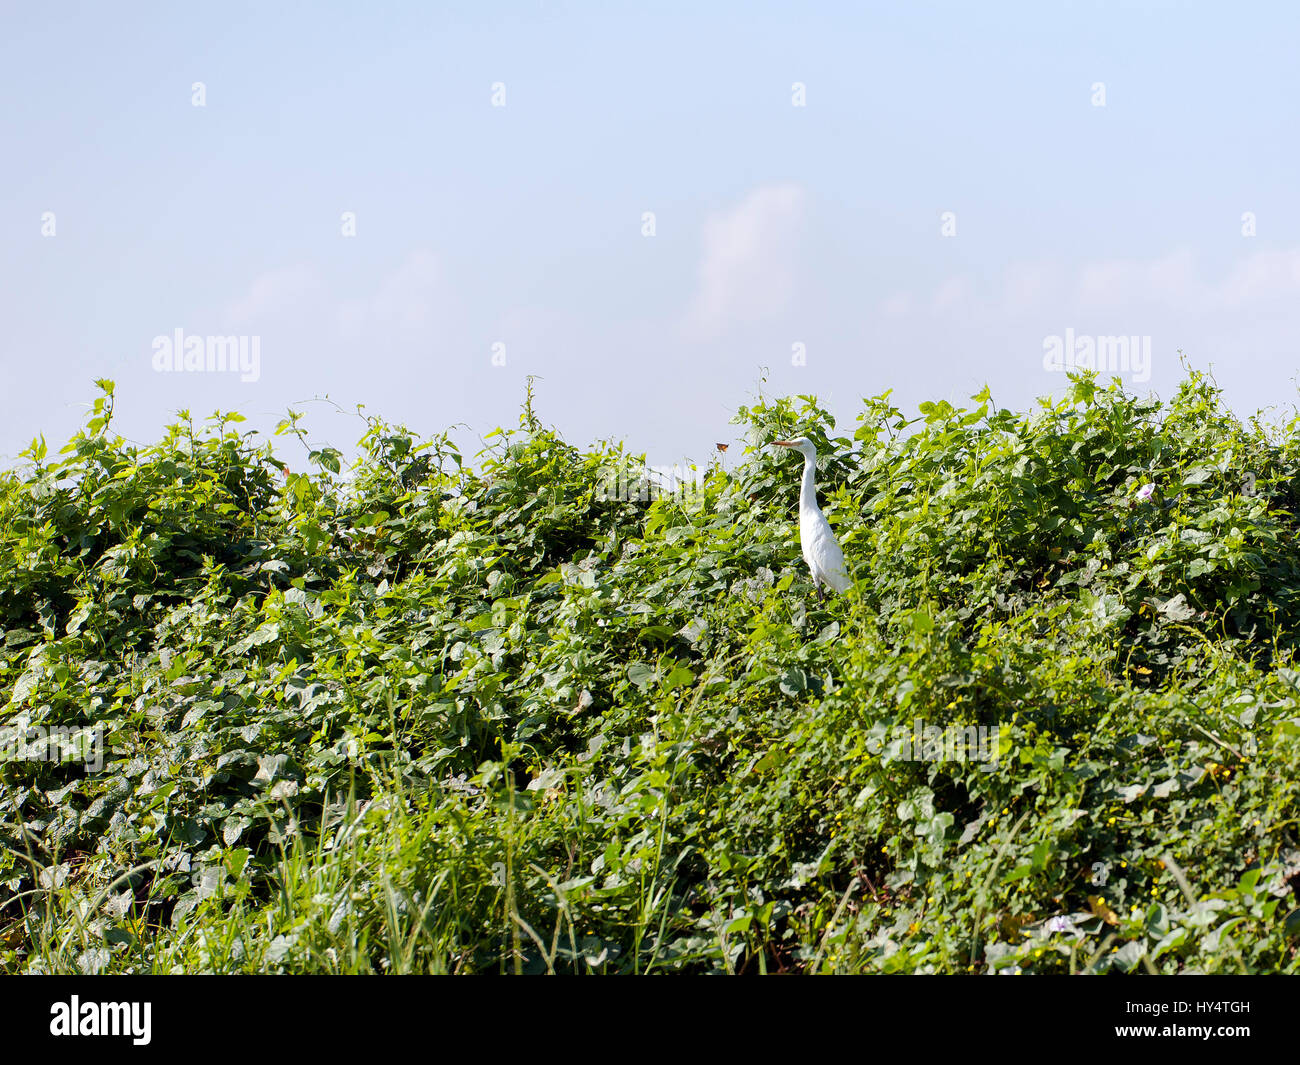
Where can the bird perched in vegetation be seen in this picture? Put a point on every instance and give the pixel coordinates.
(820, 548)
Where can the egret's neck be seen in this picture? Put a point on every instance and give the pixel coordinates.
(808, 490)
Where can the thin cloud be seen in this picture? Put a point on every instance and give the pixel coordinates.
(272, 293)
(1251, 282)
(747, 269)
(408, 298)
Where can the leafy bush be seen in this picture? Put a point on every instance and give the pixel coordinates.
(430, 715)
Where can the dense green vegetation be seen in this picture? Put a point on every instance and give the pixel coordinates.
(440, 715)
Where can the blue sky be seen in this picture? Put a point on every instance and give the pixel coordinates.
(521, 225)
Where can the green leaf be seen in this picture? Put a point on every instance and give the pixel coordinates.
(640, 674)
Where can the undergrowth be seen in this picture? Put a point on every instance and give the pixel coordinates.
(431, 714)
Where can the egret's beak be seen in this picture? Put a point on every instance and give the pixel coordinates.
(783, 443)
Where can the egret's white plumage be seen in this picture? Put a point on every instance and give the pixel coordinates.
(820, 548)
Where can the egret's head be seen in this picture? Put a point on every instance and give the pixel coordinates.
(802, 445)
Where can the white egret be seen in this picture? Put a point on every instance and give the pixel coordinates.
(820, 548)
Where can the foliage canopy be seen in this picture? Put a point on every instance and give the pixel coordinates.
(434, 715)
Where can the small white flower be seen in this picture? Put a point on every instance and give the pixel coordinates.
(1146, 491)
